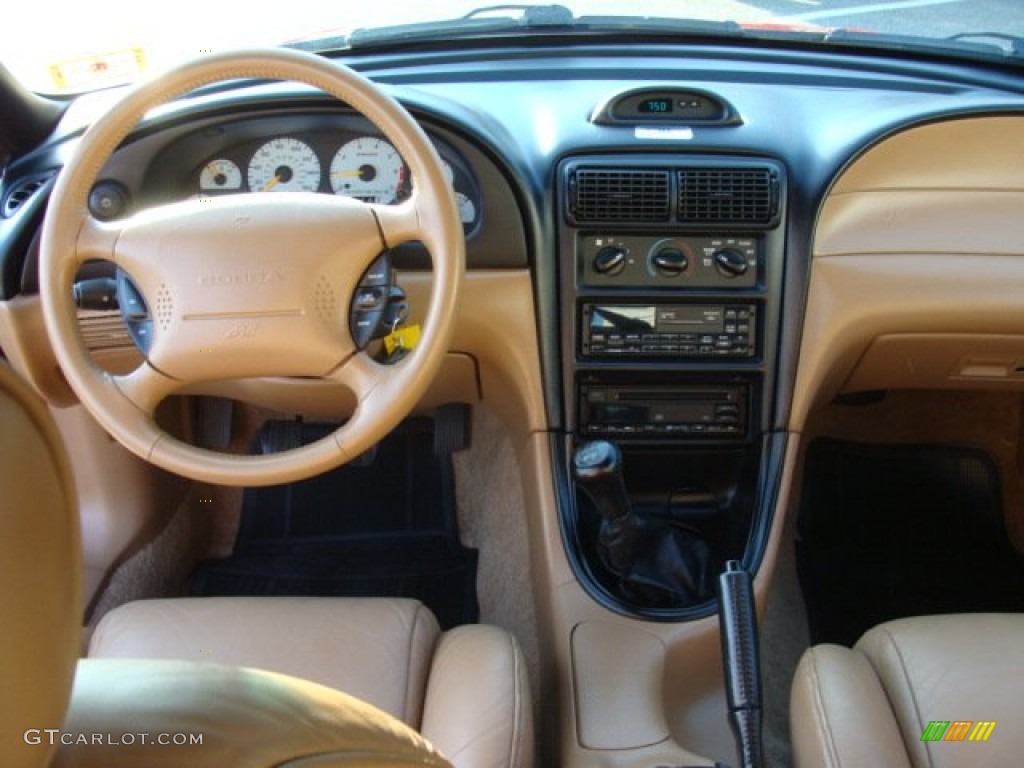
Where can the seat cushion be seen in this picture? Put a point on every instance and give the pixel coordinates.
(40, 572)
(378, 650)
(466, 691)
(202, 714)
(872, 705)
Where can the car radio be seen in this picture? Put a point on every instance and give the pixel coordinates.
(668, 330)
(684, 411)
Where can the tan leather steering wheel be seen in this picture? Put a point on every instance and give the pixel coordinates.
(251, 285)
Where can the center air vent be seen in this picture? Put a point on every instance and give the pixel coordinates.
(728, 195)
(620, 194)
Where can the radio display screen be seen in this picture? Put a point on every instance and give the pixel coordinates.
(652, 319)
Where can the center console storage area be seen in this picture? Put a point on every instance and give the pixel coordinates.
(671, 271)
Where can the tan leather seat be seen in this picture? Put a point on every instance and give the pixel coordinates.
(59, 710)
(916, 692)
(464, 690)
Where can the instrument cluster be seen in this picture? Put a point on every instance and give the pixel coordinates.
(343, 159)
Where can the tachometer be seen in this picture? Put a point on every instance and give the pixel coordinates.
(284, 165)
(368, 169)
(220, 174)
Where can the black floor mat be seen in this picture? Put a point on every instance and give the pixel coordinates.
(890, 531)
(380, 527)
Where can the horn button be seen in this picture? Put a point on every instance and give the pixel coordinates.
(242, 308)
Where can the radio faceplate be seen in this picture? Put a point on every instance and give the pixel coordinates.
(679, 412)
(668, 330)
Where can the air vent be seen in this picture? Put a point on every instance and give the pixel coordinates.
(22, 192)
(620, 194)
(728, 195)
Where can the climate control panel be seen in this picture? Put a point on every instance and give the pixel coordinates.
(677, 261)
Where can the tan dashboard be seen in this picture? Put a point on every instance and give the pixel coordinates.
(918, 267)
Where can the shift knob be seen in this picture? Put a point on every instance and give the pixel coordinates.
(597, 468)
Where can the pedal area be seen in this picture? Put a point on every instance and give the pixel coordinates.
(382, 525)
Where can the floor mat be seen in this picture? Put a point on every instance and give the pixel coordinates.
(890, 531)
(383, 525)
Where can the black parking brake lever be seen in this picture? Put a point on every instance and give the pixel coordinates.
(738, 620)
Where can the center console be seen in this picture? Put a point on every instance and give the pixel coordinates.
(671, 273)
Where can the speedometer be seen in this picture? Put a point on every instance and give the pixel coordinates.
(284, 165)
(368, 169)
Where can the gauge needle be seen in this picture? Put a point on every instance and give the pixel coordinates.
(356, 172)
(271, 184)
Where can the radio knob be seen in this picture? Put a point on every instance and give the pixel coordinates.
(610, 260)
(670, 262)
(730, 262)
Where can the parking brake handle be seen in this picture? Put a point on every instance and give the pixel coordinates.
(740, 655)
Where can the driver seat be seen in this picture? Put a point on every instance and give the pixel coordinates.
(187, 676)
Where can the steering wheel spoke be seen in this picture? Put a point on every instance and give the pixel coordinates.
(145, 387)
(96, 240)
(399, 223)
(360, 374)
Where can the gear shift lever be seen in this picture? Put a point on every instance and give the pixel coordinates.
(657, 563)
(597, 467)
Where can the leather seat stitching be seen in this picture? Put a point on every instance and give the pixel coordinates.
(517, 714)
(910, 688)
(831, 753)
(408, 668)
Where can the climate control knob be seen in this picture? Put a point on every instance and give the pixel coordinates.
(670, 262)
(610, 260)
(730, 262)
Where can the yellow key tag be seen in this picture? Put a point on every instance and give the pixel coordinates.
(406, 337)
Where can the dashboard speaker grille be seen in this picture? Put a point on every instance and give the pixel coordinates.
(620, 194)
(732, 195)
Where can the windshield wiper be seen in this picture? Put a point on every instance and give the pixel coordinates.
(1012, 45)
(964, 45)
(477, 22)
(532, 15)
(517, 18)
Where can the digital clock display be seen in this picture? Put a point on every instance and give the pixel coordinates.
(655, 106)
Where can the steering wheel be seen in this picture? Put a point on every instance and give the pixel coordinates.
(251, 285)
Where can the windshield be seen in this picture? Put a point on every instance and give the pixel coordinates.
(69, 47)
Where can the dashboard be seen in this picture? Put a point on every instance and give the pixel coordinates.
(681, 247)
